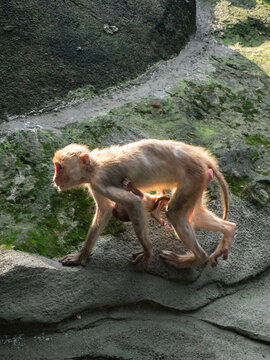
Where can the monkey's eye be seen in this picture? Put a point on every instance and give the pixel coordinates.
(58, 166)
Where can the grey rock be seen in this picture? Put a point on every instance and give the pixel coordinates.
(132, 334)
(35, 289)
(8, 28)
(110, 29)
(246, 312)
(111, 310)
(54, 32)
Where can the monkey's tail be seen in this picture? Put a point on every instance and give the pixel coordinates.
(224, 191)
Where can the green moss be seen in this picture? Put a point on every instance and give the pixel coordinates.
(205, 133)
(258, 140)
(34, 216)
(80, 94)
(114, 227)
(238, 186)
(245, 26)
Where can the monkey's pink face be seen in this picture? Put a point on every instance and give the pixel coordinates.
(68, 174)
(59, 179)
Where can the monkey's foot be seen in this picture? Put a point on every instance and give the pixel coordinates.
(141, 257)
(224, 245)
(73, 260)
(182, 261)
(220, 251)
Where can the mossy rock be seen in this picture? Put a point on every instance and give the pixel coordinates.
(34, 216)
(226, 110)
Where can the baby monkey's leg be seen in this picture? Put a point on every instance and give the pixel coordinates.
(152, 203)
(160, 202)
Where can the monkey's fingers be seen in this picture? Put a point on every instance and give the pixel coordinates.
(72, 260)
(63, 259)
(126, 183)
(222, 251)
(213, 261)
(134, 255)
(141, 258)
(163, 200)
(170, 257)
(168, 227)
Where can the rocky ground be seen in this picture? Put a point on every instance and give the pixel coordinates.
(215, 94)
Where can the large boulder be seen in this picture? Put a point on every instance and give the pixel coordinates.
(49, 48)
(111, 309)
(39, 290)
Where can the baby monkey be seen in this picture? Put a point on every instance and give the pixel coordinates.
(151, 203)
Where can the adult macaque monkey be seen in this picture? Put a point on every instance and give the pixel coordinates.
(149, 164)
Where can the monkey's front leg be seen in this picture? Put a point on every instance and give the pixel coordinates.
(101, 218)
(133, 205)
(137, 216)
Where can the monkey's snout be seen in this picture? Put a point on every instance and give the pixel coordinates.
(56, 181)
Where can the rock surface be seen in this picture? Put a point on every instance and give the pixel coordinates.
(135, 333)
(48, 49)
(97, 310)
(111, 310)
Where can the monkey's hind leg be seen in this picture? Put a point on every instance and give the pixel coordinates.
(205, 219)
(179, 210)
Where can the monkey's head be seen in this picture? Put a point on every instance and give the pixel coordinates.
(71, 166)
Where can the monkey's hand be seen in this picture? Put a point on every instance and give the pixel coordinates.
(127, 184)
(74, 260)
(142, 257)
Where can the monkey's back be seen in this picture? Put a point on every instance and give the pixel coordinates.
(152, 163)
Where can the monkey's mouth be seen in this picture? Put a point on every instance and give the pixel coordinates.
(59, 187)
(65, 187)
(62, 187)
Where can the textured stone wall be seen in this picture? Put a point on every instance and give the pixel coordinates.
(49, 48)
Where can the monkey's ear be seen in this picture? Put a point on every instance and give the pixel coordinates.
(84, 160)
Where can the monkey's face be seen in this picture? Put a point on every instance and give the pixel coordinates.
(69, 173)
